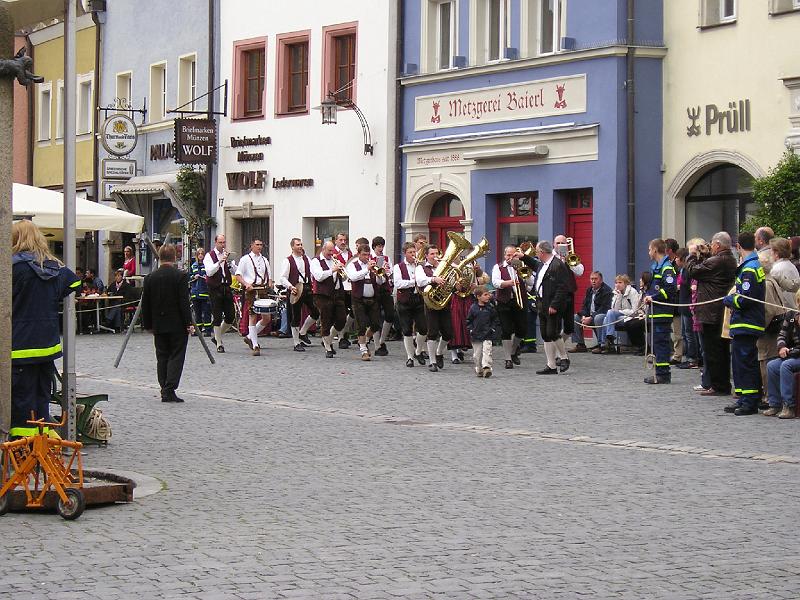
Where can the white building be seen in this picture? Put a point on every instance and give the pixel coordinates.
(282, 173)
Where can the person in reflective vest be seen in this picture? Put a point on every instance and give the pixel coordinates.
(747, 325)
(663, 288)
(201, 303)
(39, 282)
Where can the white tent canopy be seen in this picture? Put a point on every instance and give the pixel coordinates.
(46, 208)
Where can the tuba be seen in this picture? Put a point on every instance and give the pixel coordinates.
(438, 297)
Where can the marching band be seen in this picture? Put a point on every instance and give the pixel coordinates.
(427, 296)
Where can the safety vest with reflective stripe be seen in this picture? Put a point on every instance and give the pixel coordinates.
(663, 287)
(747, 316)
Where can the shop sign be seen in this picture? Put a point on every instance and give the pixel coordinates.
(108, 187)
(247, 180)
(436, 159)
(529, 100)
(248, 141)
(284, 183)
(195, 141)
(116, 168)
(162, 151)
(733, 119)
(119, 135)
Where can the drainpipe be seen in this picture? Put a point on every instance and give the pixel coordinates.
(95, 124)
(631, 159)
(30, 90)
(398, 125)
(211, 108)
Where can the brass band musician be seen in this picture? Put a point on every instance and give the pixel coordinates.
(440, 326)
(256, 277)
(512, 304)
(296, 277)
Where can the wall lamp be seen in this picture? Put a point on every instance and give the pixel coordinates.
(330, 107)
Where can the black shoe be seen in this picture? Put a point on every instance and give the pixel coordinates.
(763, 405)
(283, 336)
(306, 341)
(509, 364)
(515, 358)
(547, 371)
(745, 410)
(731, 408)
(460, 355)
(420, 359)
(410, 362)
(344, 343)
(382, 350)
(425, 355)
(171, 398)
(299, 348)
(658, 379)
(563, 365)
(221, 349)
(433, 368)
(440, 361)
(329, 354)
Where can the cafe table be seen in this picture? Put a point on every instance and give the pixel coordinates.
(96, 299)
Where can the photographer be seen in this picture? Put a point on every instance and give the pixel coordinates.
(780, 371)
(714, 269)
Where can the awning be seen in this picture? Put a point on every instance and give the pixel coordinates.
(135, 193)
(46, 209)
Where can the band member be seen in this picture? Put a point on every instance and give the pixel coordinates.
(440, 326)
(511, 305)
(552, 293)
(421, 243)
(296, 270)
(255, 276)
(219, 279)
(344, 255)
(662, 287)
(366, 308)
(200, 301)
(561, 248)
(384, 295)
(328, 289)
(410, 307)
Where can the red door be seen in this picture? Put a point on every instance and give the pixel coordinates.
(579, 228)
(446, 215)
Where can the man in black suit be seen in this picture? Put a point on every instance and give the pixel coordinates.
(552, 291)
(165, 312)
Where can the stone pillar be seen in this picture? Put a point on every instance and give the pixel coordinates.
(6, 138)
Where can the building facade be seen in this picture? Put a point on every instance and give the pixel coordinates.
(154, 61)
(729, 116)
(515, 124)
(22, 148)
(282, 173)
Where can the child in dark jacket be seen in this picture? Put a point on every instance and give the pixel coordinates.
(483, 325)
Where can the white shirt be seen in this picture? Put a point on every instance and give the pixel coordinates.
(346, 255)
(211, 266)
(254, 269)
(422, 279)
(363, 273)
(319, 274)
(301, 267)
(497, 277)
(399, 282)
(540, 275)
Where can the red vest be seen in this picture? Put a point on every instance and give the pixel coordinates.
(358, 286)
(219, 279)
(505, 295)
(404, 294)
(294, 272)
(326, 286)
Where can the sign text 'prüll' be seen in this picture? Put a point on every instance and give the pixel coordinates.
(733, 119)
(195, 141)
(246, 180)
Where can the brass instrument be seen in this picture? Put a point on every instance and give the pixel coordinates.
(343, 272)
(572, 259)
(438, 297)
(421, 254)
(529, 250)
(380, 270)
(518, 266)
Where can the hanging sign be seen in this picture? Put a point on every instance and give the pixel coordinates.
(195, 141)
(119, 135)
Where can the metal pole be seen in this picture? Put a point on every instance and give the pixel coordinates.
(70, 88)
(6, 140)
(630, 110)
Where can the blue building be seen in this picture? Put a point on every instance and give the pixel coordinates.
(515, 124)
(155, 59)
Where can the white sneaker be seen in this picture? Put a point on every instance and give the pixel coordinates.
(699, 388)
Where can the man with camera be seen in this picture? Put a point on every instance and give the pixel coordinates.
(714, 268)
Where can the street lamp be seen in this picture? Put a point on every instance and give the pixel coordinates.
(330, 107)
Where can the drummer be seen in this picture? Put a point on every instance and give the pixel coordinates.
(255, 276)
(296, 278)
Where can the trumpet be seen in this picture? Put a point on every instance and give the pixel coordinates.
(379, 269)
(342, 272)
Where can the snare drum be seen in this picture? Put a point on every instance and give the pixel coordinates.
(265, 306)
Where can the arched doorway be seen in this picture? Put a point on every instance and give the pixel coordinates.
(720, 201)
(447, 213)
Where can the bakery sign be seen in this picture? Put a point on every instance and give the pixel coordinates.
(527, 100)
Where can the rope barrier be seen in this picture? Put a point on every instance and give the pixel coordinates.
(91, 310)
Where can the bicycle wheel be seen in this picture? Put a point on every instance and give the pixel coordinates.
(73, 508)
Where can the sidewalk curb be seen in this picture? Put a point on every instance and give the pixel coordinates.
(144, 485)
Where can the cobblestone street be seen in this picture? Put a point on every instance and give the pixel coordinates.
(292, 476)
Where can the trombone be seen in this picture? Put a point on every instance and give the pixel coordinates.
(572, 259)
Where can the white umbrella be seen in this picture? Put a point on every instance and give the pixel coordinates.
(46, 208)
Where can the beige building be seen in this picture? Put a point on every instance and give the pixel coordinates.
(731, 107)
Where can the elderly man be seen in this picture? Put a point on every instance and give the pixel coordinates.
(596, 303)
(552, 281)
(715, 275)
(763, 236)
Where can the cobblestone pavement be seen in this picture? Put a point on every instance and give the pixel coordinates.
(292, 476)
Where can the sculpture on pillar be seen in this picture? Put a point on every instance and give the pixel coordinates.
(20, 67)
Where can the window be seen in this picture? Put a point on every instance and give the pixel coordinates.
(158, 92)
(339, 61)
(550, 16)
(326, 228)
(439, 39)
(717, 12)
(292, 88)
(60, 110)
(249, 65)
(187, 82)
(85, 104)
(498, 23)
(517, 220)
(124, 93)
(445, 31)
(543, 24)
(720, 201)
(44, 111)
(777, 7)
